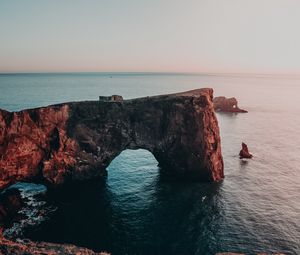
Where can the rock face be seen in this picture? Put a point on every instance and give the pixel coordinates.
(223, 104)
(244, 152)
(77, 141)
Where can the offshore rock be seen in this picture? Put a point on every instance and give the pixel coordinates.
(244, 152)
(22, 247)
(76, 141)
(223, 104)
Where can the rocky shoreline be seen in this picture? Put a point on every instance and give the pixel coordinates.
(22, 247)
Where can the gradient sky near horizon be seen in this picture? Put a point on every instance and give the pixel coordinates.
(234, 36)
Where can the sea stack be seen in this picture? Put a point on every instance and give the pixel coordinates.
(77, 141)
(223, 104)
(244, 152)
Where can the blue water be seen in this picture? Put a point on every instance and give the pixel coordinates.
(256, 208)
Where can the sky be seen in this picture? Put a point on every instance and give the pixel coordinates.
(214, 36)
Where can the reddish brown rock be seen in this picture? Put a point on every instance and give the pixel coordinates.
(22, 247)
(244, 152)
(77, 141)
(34, 143)
(223, 104)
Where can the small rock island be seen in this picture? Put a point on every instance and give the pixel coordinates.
(76, 141)
(223, 104)
(244, 152)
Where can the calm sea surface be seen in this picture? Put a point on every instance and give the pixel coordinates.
(256, 208)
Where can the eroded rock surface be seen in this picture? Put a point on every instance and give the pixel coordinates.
(223, 104)
(77, 141)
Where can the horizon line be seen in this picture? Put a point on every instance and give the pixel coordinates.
(156, 72)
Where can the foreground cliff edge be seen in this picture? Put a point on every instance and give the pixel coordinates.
(78, 140)
(27, 247)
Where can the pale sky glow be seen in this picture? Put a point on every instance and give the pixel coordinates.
(247, 36)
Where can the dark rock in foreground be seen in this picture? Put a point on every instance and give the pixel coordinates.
(8, 247)
(27, 247)
(223, 104)
(77, 141)
(244, 152)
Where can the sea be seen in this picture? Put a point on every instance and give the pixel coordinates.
(256, 208)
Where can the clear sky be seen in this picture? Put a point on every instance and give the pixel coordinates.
(248, 36)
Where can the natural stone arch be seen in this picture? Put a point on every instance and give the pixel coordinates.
(77, 141)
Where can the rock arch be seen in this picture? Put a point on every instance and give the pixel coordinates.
(78, 140)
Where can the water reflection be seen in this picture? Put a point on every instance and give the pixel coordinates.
(243, 164)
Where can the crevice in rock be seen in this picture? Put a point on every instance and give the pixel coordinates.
(54, 140)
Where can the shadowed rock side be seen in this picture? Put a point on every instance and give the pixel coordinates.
(77, 141)
(223, 104)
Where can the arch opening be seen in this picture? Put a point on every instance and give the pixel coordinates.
(132, 170)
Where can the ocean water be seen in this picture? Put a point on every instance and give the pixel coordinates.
(256, 208)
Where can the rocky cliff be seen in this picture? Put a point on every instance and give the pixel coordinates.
(77, 141)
